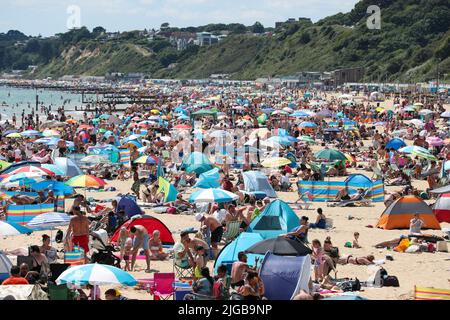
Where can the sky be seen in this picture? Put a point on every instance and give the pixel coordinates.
(48, 17)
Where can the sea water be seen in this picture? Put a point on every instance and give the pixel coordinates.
(15, 100)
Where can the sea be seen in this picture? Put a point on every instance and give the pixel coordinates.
(15, 100)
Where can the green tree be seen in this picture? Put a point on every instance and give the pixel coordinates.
(258, 27)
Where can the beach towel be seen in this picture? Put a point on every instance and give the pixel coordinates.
(125, 157)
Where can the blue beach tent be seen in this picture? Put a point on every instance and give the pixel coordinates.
(256, 181)
(229, 253)
(209, 179)
(276, 219)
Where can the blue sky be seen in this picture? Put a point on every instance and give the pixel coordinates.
(48, 17)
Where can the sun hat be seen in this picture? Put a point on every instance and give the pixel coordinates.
(199, 216)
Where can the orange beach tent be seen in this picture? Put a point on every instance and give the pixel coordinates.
(399, 214)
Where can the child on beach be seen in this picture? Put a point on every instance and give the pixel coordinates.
(318, 260)
(200, 262)
(127, 253)
(123, 236)
(355, 241)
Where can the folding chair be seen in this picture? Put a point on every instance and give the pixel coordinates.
(163, 286)
(232, 231)
(421, 293)
(183, 272)
(59, 292)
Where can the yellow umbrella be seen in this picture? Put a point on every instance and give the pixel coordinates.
(275, 162)
(155, 111)
(379, 109)
(14, 135)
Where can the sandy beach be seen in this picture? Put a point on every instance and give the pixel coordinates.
(424, 269)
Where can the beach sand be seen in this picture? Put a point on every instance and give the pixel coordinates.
(425, 269)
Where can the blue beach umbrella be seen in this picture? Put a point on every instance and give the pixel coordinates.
(213, 196)
(395, 144)
(59, 188)
(96, 275)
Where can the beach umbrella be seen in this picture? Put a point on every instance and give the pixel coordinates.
(132, 137)
(71, 121)
(307, 139)
(332, 130)
(435, 141)
(279, 112)
(12, 229)
(213, 196)
(85, 127)
(49, 220)
(9, 132)
(58, 187)
(280, 246)
(288, 110)
(96, 275)
(146, 160)
(425, 112)
(68, 166)
(446, 114)
(51, 133)
(280, 140)
(307, 124)
(417, 122)
(330, 155)
(410, 149)
(85, 181)
(30, 133)
(395, 144)
(95, 159)
(325, 113)
(424, 155)
(300, 114)
(14, 135)
(275, 162)
(268, 110)
(183, 127)
(409, 109)
(4, 165)
(42, 140)
(39, 171)
(132, 144)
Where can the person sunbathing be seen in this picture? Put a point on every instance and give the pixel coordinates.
(365, 261)
(342, 195)
(20, 199)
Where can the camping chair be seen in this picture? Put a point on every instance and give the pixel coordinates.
(232, 231)
(364, 200)
(60, 292)
(421, 293)
(304, 204)
(183, 272)
(163, 288)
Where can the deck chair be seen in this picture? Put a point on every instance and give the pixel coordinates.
(232, 231)
(421, 293)
(163, 288)
(302, 203)
(365, 200)
(183, 272)
(60, 292)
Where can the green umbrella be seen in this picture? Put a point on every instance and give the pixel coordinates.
(262, 118)
(423, 155)
(101, 130)
(307, 139)
(330, 155)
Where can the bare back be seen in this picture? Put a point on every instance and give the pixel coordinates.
(79, 225)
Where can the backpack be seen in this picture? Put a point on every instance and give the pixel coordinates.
(350, 285)
(391, 281)
(59, 236)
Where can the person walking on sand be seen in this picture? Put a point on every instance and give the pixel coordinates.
(79, 229)
(216, 229)
(141, 240)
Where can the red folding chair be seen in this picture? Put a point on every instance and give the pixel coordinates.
(163, 286)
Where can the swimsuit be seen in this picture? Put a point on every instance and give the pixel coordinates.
(82, 241)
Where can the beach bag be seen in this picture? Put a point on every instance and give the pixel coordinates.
(75, 257)
(350, 285)
(59, 236)
(391, 281)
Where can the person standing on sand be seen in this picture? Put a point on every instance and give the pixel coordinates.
(79, 229)
(141, 240)
(216, 229)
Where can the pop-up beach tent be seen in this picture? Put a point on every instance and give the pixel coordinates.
(130, 206)
(229, 253)
(5, 267)
(209, 179)
(255, 181)
(399, 214)
(442, 208)
(285, 276)
(151, 224)
(197, 162)
(276, 219)
(359, 180)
